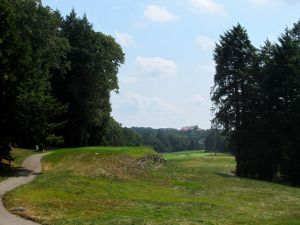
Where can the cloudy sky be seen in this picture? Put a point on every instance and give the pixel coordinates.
(169, 70)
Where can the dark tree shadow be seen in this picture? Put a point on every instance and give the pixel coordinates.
(9, 171)
(234, 176)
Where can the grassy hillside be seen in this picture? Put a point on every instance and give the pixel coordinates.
(19, 155)
(108, 186)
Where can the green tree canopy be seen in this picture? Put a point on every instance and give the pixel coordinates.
(94, 62)
(257, 101)
(31, 45)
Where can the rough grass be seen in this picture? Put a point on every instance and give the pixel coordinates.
(11, 168)
(107, 186)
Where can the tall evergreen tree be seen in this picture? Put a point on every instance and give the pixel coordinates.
(8, 41)
(94, 61)
(282, 87)
(234, 85)
(31, 46)
(257, 100)
(36, 109)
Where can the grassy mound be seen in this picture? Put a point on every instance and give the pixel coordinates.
(107, 186)
(94, 162)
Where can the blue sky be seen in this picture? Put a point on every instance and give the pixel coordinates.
(168, 73)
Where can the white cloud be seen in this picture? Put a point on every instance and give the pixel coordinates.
(205, 43)
(157, 65)
(124, 39)
(158, 14)
(199, 100)
(151, 104)
(208, 7)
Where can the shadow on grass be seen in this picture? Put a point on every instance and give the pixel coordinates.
(278, 182)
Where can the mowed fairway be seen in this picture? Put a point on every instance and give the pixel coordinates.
(107, 186)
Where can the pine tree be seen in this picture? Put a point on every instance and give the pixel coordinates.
(233, 90)
(94, 62)
(31, 46)
(282, 88)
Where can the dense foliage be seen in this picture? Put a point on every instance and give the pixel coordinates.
(30, 47)
(172, 140)
(215, 141)
(257, 101)
(116, 135)
(56, 76)
(94, 61)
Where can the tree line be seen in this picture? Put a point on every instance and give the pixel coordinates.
(256, 99)
(173, 140)
(56, 78)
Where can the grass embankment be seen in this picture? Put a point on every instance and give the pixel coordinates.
(108, 186)
(19, 155)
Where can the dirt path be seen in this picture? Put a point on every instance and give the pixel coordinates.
(31, 168)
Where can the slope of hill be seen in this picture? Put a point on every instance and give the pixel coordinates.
(110, 186)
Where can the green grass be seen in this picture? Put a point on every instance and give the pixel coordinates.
(190, 155)
(107, 186)
(19, 155)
